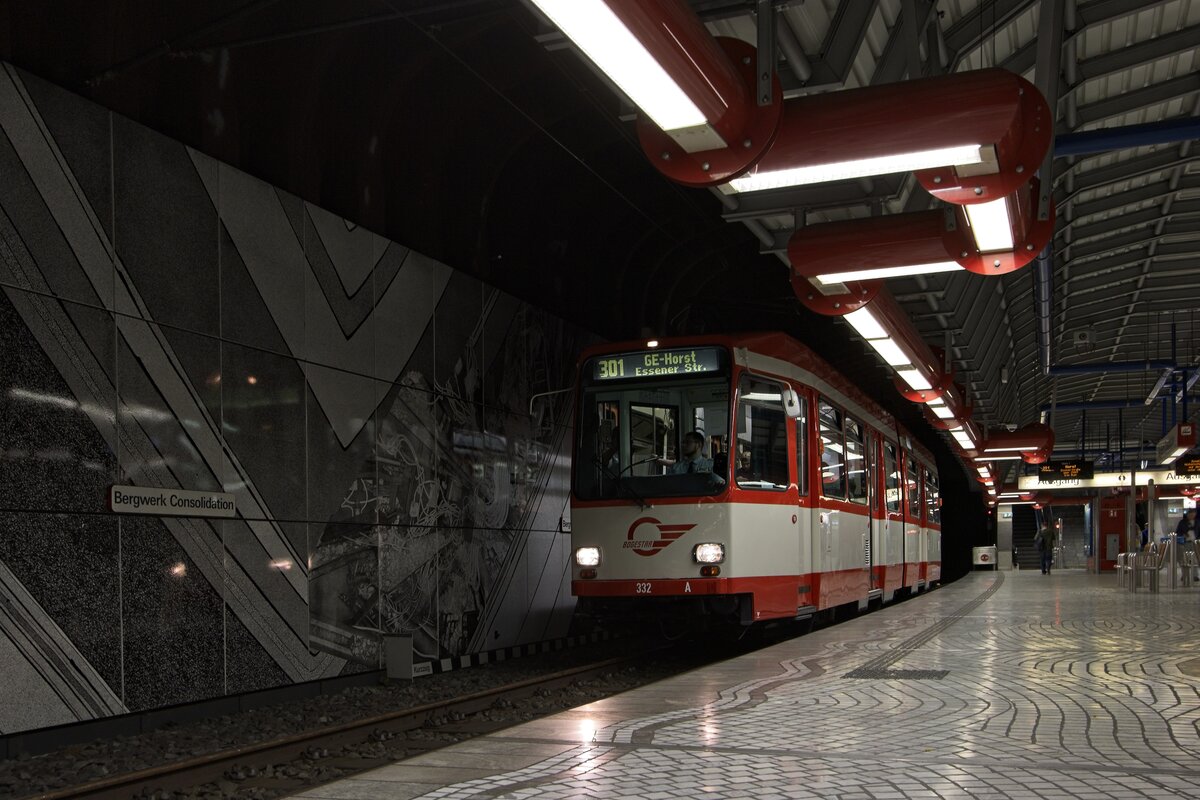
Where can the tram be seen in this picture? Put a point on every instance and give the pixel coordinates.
(742, 479)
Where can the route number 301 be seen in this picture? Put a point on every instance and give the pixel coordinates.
(642, 588)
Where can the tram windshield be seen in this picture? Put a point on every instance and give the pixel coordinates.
(653, 423)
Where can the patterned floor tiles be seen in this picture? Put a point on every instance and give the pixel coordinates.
(1000, 685)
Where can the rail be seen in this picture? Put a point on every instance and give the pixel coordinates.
(212, 766)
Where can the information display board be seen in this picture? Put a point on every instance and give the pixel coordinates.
(1188, 464)
(656, 363)
(1065, 471)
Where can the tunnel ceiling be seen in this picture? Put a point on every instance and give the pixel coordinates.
(471, 132)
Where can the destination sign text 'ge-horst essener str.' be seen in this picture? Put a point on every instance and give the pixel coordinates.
(656, 363)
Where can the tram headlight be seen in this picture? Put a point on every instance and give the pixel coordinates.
(587, 557)
(709, 553)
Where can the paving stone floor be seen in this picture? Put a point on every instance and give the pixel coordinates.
(1000, 685)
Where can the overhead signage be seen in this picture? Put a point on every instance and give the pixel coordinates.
(1108, 480)
(1188, 465)
(170, 502)
(1179, 440)
(656, 363)
(1054, 471)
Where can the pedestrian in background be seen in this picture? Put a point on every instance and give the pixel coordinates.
(1045, 541)
(1185, 536)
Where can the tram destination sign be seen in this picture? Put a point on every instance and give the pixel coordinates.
(1053, 471)
(1188, 465)
(656, 363)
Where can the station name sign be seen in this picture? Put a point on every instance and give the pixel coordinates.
(1109, 480)
(656, 363)
(1053, 471)
(170, 502)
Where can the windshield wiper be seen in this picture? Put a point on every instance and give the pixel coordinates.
(641, 501)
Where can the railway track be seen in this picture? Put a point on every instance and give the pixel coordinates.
(252, 760)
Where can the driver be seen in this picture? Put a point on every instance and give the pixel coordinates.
(692, 458)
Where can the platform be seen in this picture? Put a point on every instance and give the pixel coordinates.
(1002, 684)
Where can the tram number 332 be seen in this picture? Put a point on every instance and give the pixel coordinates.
(642, 588)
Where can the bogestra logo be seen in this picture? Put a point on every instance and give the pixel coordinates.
(649, 526)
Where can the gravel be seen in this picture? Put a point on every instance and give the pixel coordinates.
(78, 764)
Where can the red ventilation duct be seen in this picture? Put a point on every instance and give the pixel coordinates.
(891, 322)
(926, 241)
(921, 356)
(993, 125)
(1033, 442)
(996, 110)
(720, 76)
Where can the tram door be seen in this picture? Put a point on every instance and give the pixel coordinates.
(872, 551)
(858, 458)
(890, 553)
(912, 520)
(803, 513)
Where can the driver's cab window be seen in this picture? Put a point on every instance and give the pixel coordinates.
(663, 441)
(763, 453)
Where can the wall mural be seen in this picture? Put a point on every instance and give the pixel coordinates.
(168, 321)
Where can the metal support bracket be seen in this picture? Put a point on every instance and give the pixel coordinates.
(1047, 75)
(765, 10)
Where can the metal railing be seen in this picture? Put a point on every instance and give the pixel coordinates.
(1144, 568)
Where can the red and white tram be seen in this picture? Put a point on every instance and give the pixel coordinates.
(805, 496)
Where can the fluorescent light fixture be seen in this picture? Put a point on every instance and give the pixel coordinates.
(888, 272)
(652, 343)
(1187, 387)
(1162, 381)
(914, 379)
(1008, 449)
(942, 412)
(997, 458)
(890, 352)
(864, 322)
(990, 225)
(604, 39)
(964, 439)
(937, 401)
(858, 168)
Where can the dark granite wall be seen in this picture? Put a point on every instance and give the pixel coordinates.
(168, 321)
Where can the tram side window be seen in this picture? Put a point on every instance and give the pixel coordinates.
(802, 448)
(654, 433)
(762, 445)
(891, 479)
(912, 486)
(856, 461)
(833, 465)
(933, 510)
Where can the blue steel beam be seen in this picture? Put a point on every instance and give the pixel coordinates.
(1115, 366)
(1127, 137)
